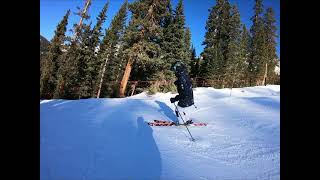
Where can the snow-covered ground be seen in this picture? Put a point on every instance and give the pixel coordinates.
(102, 139)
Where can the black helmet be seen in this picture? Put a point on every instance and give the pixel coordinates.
(176, 66)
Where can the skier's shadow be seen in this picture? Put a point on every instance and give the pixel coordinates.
(167, 111)
(148, 164)
(75, 145)
(135, 154)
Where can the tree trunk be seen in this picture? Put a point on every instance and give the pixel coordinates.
(125, 78)
(84, 11)
(81, 18)
(265, 76)
(102, 75)
(133, 87)
(222, 83)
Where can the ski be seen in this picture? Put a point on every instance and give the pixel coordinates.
(161, 123)
(170, 123)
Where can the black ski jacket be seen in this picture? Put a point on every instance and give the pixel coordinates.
(184, 87)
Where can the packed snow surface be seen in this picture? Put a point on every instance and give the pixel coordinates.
(108, 139)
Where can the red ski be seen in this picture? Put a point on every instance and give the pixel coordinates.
(170, 123)
(161, 123)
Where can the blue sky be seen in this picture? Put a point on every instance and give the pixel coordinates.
(196, 12)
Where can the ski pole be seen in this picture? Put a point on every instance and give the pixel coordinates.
(183, 121)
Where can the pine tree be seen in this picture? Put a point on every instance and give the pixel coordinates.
(162, 77)
(109, 57)
(85, 62)
(89, 48)
(212, 54)
(176, 38)
(194, 64)
(258, 54)
(187, 47)
(142, 39)
(51, 65)
(233, 60)
(270, 35)
(83, 14)
(44, 48)
(216, 41)
(68, 73)
(168, 41)
(245, 50)
(179, 34)
(209, 53)
(72, 70)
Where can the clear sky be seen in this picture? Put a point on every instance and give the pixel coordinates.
(196, 12)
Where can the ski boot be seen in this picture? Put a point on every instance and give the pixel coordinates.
(189, 122)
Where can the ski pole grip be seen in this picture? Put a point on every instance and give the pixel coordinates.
(176, 110)
(177, 114)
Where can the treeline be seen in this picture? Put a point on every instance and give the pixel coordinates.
(99, 63)
(234, 53)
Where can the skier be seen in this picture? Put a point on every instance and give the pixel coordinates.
(184, 87)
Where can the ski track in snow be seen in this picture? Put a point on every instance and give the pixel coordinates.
(109, 139)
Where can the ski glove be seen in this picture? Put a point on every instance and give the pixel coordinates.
(172, 100)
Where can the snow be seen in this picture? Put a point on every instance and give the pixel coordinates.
(107, 138)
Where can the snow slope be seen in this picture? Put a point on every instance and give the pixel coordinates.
(102, 139)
